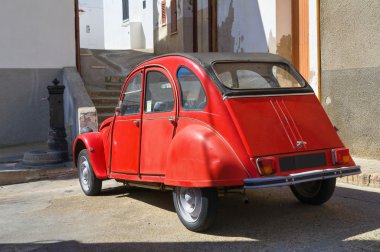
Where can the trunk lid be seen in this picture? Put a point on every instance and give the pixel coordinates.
(282, 124)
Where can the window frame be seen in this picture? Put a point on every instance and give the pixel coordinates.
(134, 75)
(145, 83)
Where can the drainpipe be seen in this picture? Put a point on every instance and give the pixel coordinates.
(77, 38)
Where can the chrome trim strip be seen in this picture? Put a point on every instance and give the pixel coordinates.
(296, 178)
(263, 95)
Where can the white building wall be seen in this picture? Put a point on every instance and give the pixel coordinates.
(116, 31)
(135, 23)
(33, 33)
(91, 20)
(147, 24)
(247, 26)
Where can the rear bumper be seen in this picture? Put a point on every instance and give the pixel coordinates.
(296, 178)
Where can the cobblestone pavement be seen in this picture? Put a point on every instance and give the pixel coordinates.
(56, 216)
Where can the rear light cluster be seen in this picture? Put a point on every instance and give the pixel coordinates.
(266, 165)
(341, 156)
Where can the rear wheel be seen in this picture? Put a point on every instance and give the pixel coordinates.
(90, 184)
(196, 207)
(314, 192)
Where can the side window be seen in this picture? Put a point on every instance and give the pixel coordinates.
(192, 92)
(159, 93)
(131, 99)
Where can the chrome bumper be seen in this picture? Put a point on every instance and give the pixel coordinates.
(296, 178)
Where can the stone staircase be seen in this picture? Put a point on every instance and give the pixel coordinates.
(105, 98)
(104, 71)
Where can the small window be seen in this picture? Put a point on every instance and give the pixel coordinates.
(192, 92)
(144, 4)
(159, 93)
(163, 12)
(257, 75)
(132, 95)
(125, 10)
(173, 16)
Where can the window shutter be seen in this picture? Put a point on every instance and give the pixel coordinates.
(173, 15)
(163, 12)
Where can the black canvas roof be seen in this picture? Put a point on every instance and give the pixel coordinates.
(208, 58)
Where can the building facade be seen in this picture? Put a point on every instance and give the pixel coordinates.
(340, 38)
(116, 24)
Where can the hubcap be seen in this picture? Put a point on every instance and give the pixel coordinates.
(84, 169)
(190, 203)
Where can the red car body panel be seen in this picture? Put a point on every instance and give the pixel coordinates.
(93, 142)
(289, 118)
(200, 157)
(217, 146)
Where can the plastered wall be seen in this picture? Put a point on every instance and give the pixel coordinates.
(37, 34)
(350, 61)
(37, 41)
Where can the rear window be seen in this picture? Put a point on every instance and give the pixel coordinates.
(255, 75)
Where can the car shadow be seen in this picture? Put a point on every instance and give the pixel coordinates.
(160, 199)
(275, 215)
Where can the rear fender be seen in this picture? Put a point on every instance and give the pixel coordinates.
(94, 144)
(199, 157)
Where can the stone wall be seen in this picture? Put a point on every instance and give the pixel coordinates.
(350, 62)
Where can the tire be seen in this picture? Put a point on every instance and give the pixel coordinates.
(196, 207)
(90, 184)
(315, 192)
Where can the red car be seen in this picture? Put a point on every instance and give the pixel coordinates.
(199, 123)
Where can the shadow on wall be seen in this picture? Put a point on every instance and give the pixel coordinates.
(242, 28)
(138, 41)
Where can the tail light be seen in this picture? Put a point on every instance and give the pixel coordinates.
(266, 165)
(341, 156)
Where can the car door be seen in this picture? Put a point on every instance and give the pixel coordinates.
(127, 129)
(158, 121)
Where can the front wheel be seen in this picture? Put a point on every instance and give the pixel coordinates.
(90, 184)
(196, 207)
(314, 192)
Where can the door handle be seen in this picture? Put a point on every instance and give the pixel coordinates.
(172, 120)
(137, 123)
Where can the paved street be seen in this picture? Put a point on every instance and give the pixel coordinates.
(56, 216)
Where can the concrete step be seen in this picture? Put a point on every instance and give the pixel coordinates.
(105, 109)
(105, 101)
(104, 93)
(114, 86)
(104, 116)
